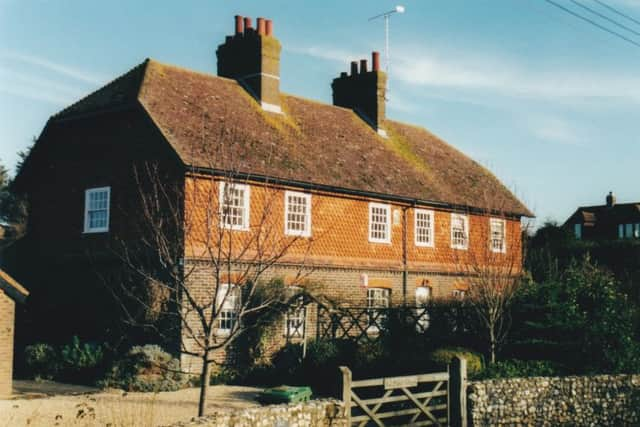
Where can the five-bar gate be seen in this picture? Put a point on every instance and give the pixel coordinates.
(414, 400)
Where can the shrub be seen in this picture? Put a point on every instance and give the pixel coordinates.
(42, 361)
(519, 369)
(80, 362)
(146, 368)
(580, 320)
(443, 357)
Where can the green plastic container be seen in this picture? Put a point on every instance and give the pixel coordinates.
(285, 394)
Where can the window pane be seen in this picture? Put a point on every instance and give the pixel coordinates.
(379, 217)
(423, 227)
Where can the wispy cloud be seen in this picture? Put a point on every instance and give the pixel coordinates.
(62, 69)
(557, 130)
(470, 73)
(43, 80)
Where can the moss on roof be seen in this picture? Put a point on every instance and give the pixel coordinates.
(311, 142)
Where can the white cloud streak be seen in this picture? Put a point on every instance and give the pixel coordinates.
(484, 75)
(64, 70)
(557, 130)
(43, 80)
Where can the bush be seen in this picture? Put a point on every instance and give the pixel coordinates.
(42, 361)
(443, 357)
(580, 320)
(146, 368)
(80, 362)
(519, 369)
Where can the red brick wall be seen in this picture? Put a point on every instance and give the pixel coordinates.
(7, 313)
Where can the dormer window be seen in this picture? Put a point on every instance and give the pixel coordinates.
(96, 210)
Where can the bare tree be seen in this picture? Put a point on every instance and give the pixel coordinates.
(492, 266)
(202, 257)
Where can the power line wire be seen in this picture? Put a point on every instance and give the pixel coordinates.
(594, 23)
(605, 17)
(614, 10)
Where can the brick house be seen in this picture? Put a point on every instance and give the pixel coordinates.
(610, 221)
(10, 293)
(390, 206)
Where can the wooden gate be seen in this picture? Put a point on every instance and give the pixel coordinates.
(415, 400)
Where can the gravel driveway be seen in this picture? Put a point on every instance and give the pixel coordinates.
(51, 404)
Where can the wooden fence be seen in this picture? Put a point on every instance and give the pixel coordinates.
(364, 323)
(415, 400)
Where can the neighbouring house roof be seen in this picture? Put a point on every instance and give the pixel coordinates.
(12, 288)
(311, 142)
(621, 213)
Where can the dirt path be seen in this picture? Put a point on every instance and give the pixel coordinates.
(114, 408)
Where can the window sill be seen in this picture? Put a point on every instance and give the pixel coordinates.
(99, 231)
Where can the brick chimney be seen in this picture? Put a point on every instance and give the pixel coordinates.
(363, 91)
(252, 57)
(611, 199)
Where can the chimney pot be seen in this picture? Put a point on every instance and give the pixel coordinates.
(354, 68)
(255, 64)
(375, 61)
(269, 25)
(247, 25)
(363, 66)
(343, 74)
(261, 26)
(611, 199)
(239, 26)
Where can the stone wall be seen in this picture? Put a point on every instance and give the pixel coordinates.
(316, 413)
(602, 400)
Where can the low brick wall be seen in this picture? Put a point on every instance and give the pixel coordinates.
(603, 400)
(316, 413)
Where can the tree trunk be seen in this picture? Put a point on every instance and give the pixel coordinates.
(492, 337)
(204, 385)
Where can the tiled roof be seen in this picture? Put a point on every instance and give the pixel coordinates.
(12, 288)
(621, 213)
(311, 142)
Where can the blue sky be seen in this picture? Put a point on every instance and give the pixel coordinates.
(547, 102)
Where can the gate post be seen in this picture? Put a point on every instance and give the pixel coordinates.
(346, 393)
(458, 392)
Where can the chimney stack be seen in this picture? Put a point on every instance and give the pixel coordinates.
(363, 91)
(611, 199)
(252, 57)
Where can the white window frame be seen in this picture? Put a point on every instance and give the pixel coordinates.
(423, 296)
(246, 204)
(494, 222)
(459, 294)
(228, 302)
(87, 196)
(577, 231)
(385, 296)
(297, 313)
(465, 223)
(430, 230)
(306, 232)
(387, 208)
